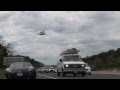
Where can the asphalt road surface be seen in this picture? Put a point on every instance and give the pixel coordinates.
(70, 76)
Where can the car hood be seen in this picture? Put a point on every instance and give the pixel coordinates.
(73, 62)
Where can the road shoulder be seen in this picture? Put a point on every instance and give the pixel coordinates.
(106, 72)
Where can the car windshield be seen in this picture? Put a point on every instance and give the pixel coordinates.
(20, 64)
(72, 58)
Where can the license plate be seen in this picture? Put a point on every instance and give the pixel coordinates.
(75, 72)
(19, 74)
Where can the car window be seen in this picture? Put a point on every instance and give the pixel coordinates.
(20, 64)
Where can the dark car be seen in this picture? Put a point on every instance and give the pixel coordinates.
(93, 67)
(20, 70)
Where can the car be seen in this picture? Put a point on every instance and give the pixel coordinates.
(20, 70)
(43, 70)
(88, 69)
(71, 63)
(55, 70)
(51, 69)
(93, 67)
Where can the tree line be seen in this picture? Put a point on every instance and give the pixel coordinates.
(7, 50)
(105, 60)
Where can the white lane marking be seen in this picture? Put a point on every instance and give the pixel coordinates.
(47, 76)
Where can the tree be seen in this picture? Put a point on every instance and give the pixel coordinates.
(3, 53)
(32, 61)
(5, 49)
(110, 59)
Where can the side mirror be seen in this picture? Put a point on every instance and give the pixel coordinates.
(60, 60)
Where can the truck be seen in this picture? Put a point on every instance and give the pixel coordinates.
(70, 62)
(7, 61)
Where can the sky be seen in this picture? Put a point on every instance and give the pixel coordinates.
(91, 32)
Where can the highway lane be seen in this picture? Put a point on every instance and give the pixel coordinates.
(70, 76)
(95, 75)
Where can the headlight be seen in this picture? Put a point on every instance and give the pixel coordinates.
(83, 65)
(66, 65)
(30, 69)
(8, 70)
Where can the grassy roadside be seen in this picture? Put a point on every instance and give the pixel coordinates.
(2, 72)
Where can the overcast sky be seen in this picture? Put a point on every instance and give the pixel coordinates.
(91, 32)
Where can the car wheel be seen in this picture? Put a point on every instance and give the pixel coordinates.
(83, 74)
(33, 77)
(63, 74)
(90, 73)
(58, 73)
(7, 78)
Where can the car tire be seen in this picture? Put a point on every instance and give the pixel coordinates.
(7, 78)
(58, 73)
(33, 77)
(89, 73)
(63, 74)
(83, 74)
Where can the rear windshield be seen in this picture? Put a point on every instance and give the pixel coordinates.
(20, 64)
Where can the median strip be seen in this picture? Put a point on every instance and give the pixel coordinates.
(47, 76)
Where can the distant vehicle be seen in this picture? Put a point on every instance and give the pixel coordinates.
(51, 69)
(43, 70)
(20, 70)
(93, 67)
(71, 63)
(42, 33)
(88, 69)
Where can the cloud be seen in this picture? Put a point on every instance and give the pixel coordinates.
(90, 31)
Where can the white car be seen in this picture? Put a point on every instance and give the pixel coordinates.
(51, 69)
(88, 69)
(71, 67)
(55, 70)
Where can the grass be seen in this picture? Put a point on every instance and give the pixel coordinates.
(2, 72)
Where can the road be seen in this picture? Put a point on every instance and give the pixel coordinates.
(93, 76)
